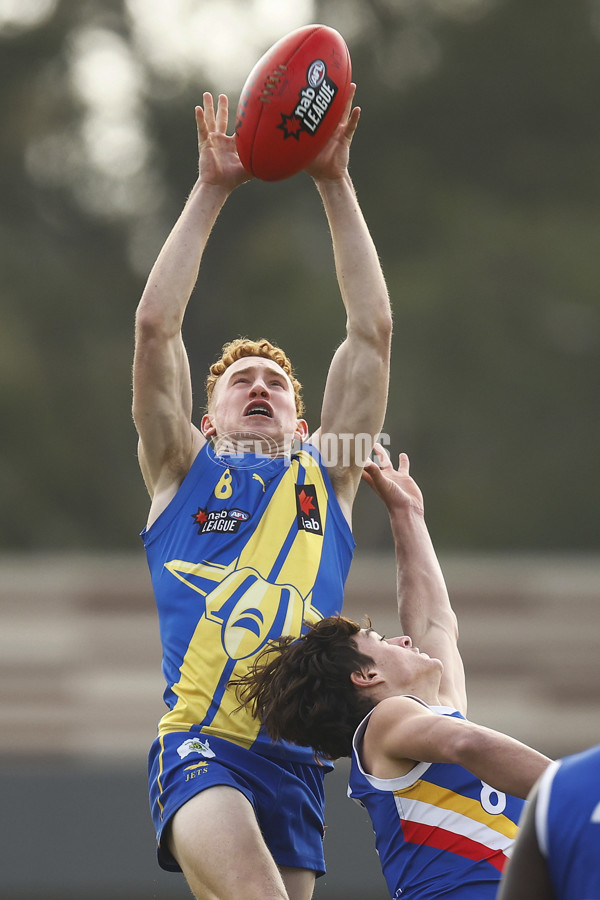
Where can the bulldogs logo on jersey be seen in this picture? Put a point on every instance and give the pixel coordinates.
(307, 508)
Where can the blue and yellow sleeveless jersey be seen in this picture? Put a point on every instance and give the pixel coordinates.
(248, 549)
(439, 831)
(567, 818)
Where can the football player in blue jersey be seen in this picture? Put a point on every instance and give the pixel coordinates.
(557, 852)
(248, 534)
(444, 794)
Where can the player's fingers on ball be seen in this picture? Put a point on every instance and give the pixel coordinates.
(352, 123)
(350, 100)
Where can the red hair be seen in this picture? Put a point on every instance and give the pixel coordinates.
(242, 347)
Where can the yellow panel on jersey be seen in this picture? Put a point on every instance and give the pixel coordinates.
(247, 567)
(424, 793)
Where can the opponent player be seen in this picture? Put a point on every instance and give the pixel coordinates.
(244, 546)
(556, 855)
(444, 794)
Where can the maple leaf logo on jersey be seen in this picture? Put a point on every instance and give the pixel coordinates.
(305, 502)
(307, 508)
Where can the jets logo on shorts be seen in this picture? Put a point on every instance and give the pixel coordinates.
(307, 508)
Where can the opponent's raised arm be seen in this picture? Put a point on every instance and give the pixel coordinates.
(423, 602)
(162, 395)
(355, 395)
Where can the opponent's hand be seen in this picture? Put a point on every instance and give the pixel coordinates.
(218, 159)
(332, 161)
(396, 487)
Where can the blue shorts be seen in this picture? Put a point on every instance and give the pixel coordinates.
(288, 797)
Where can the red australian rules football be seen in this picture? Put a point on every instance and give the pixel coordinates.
(292, 101)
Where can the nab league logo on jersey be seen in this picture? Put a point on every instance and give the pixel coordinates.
(309, 517)
(225, 521)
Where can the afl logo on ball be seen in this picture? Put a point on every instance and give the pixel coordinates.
(316, 73)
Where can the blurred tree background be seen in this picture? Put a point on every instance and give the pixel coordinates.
(477, 162)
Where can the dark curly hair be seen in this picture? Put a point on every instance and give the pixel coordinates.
(300, 688)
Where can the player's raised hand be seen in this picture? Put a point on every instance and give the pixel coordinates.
(332, 162)
(218, 159)
(396, 487)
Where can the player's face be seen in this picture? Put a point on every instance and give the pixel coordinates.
(397, 661)
(254, 396)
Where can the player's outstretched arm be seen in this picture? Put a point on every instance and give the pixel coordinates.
(401, 729)
(424, 605)
(355, 395)
(162, 395)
